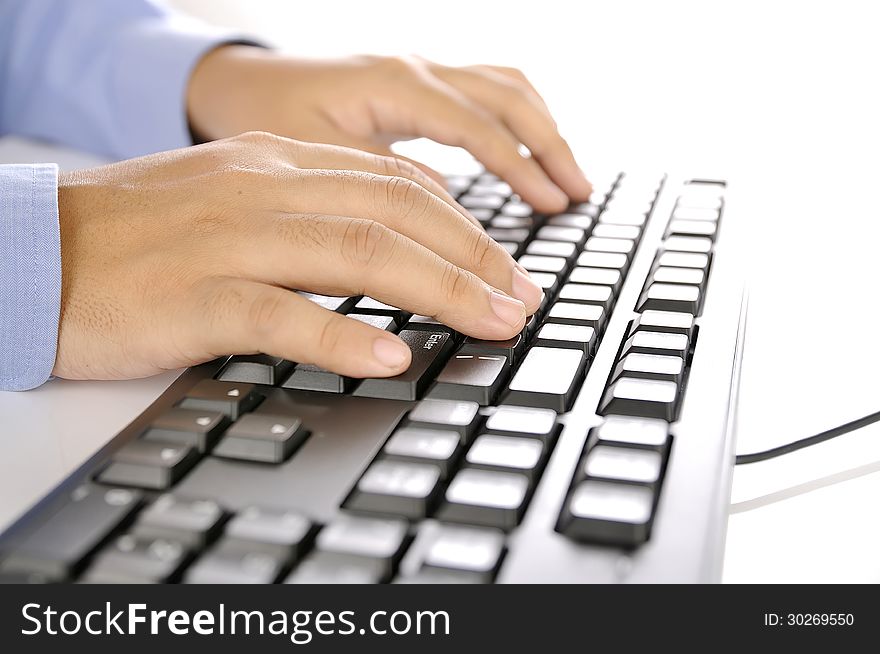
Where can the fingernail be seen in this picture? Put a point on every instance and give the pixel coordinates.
(391, 354)
(524, 288)
(509, 310)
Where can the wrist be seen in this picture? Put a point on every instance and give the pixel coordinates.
(224, 89)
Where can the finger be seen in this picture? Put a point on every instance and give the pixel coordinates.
(346, 256)
(518, 75)
(407, 208)
(240, 316)
(521, 109)
(444, 114)
(313, 155)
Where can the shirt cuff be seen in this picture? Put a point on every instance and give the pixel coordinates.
(156, 60)
(30, 270)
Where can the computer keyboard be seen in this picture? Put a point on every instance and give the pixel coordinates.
(594, 446)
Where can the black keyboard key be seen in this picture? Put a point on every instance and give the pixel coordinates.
(472, 201)
(420, 445)
(608, 512)
(197, 429)
(452, 415)
(651, 366)
(512, 248)
(679, 227)
(458, 184)
(255, 369)
(532, 324)
(559, 233)
(512, 348)
(671, 297)
(131, 560)
(611, 260)
(638, 466)
(696, 213)
(332, 568)
(519, 421)
(645, 398)
(486, 498)
(191, 522)
(666, 343)
(512, 222)
(635, 216)
(331, 303)
(471, 377)
(233, 399)
(387, 323)
(56, 549)
(579, 337)
(537, 263)
(552, 249)
(547, 281)
(370, 538)
(429, 351)
(491, 188)
(517, 209)
(309, 377)
(519, 235)
(229, 563)
(665, 321)
(548, 378)
(684, 260)
(507, 454)
(601, 276)
(607, 230)
(149, 464)
(465, 553)
(588, 294)
(429, 323)
(615, 245)
(580, 221)
(369, 306)
(262, 437)
(397, 488)
(569, 313)
(283, 534)
(632, 432)
(667, 275)
(697, 244)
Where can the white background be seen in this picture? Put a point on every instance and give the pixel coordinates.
(782, 97)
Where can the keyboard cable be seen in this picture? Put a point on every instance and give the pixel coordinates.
(794, 446)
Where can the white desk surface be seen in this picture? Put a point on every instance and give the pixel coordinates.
(810, 360)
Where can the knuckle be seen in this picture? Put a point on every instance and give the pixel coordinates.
(366, 244)
(453, 284)
(304, 231)
(257, 137)
(397, 67)
(400, 196)
(264, 312)
(483, 250)
(397, 167)
(330, 334)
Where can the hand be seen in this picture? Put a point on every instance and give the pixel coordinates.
(368, 102)
(180, 257)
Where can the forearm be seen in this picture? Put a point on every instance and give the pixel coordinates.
(30, 270)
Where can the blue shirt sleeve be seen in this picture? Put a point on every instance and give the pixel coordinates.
(105, 76)
(30, 270)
